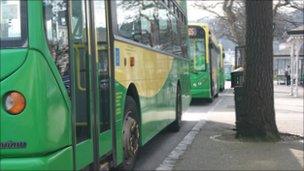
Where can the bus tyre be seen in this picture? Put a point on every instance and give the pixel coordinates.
(130, 134)
(176, 125)
(210, 100)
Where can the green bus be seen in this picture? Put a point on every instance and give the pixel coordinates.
(205, 54)
(84, 84)
(221, 70)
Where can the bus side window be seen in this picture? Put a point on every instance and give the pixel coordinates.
(80, 54)
(165, 30)
(184, 38)
(56, 27)
(148, 24)
(128, 19)
(176, 38)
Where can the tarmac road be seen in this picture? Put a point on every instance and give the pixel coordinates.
(154, 152)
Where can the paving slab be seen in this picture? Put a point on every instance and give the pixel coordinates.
(215, 147)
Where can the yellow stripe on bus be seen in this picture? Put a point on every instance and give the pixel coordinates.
(150, 70)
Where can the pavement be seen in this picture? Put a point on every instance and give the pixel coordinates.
(215, 148)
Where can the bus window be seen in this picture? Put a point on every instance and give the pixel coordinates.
(149, 26)
(102, 64)
(197, 49)
(165, 30)
(13, 24)
(151, 23)
(80, 55)
(184, 38)
(128, 19)
(176, 37)
(55, 22)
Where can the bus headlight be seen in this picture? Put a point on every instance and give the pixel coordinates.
(14, 102)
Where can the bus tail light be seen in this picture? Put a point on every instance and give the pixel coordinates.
(14, 102)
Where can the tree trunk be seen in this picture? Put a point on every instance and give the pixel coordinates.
(257, 114)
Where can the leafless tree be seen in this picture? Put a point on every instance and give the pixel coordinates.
(231, 24)
(256, 117)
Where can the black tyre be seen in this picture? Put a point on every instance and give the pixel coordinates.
(176, 125)
(210, 100)
(130, 134)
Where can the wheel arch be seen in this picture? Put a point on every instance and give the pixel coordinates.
(132, 92)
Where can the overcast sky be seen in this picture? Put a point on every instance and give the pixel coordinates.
(194, 13)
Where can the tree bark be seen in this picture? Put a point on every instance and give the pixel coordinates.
(257, 114)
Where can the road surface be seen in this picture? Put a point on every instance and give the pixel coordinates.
(154, 152)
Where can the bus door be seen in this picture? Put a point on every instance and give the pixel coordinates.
(213, 68)
(89, 39)
(102, 63)
(83, 97)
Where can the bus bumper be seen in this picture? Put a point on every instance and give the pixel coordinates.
(60, 160)
(200, 93)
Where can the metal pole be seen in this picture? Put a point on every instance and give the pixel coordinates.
(291, 66)
(298, 48)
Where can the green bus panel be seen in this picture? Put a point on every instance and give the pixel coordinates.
(45, 124)
(59, 160)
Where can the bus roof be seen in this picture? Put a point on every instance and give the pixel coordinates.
(203, 25)
(206, 27)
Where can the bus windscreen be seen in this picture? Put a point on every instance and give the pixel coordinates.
(197, 50)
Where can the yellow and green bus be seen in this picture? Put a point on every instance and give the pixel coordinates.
(205, 54)
(86, 83)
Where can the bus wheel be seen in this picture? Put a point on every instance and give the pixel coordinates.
(210, 100)
(176, 125)
(130, 134)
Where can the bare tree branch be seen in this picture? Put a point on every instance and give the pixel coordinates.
(280, 4)
(231, 22)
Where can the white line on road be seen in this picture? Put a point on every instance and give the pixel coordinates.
(179, 150)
